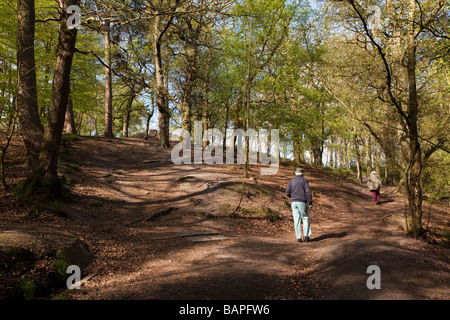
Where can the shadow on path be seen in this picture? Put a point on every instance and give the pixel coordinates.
(328, 236)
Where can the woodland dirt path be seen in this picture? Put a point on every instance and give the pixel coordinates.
(122, 182)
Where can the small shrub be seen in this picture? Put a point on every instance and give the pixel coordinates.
(61, 263)
(268, 214)
(225, 208)
(29, 290)
(245, 211)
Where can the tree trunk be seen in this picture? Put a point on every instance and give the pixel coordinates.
(368, 147)
(27, 105)
(225, 129)
(317, 150)
(69, 122)
(346, 161)
(108, 83)
(248, 101)
(9, 135)
(317, 143)
(247, 137)
(386, 172)
(358, 159)
(331, 152)
(126, 115)
(149, 118)
(44, 178)
(376, 158)
(205, 114)
(186, 108)
(296, 146)
(239, 105)
(415, 153)
(339, 153)
(126, 122)
(161, 95)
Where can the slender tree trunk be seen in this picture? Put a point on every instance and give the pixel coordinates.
(126, 123)
(317, 145)
(79, 125)
(296, 146)
(205, 113)
(186, 114)
(358, 159)
(95, 125)
(126, 115)
(389, 162)
(44, 178)
(386, 172)
(149, 118)
(239, 105)
(108, 83)
(161, 95)
(368, 155)
(186, 108)
(346, 161)
(339, 153)
(227, 116)
(248, 102)
(331, 158)
(376, 158)
(247, 137)
(415, 153)
(27, 105)
(69, 123)
(9, 135)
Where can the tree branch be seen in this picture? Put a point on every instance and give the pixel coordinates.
(405, 118)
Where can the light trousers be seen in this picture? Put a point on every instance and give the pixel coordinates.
(301, 214)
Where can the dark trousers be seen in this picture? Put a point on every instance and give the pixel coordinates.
(375, 195)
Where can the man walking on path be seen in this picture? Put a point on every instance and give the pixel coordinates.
(300, 194)
(374, 185)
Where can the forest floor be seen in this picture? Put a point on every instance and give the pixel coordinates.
(202, 248)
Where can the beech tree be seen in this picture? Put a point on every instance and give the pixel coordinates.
(27, 101)
(108, 132)
(44, 176)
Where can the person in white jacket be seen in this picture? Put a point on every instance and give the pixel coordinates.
(374, 185)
